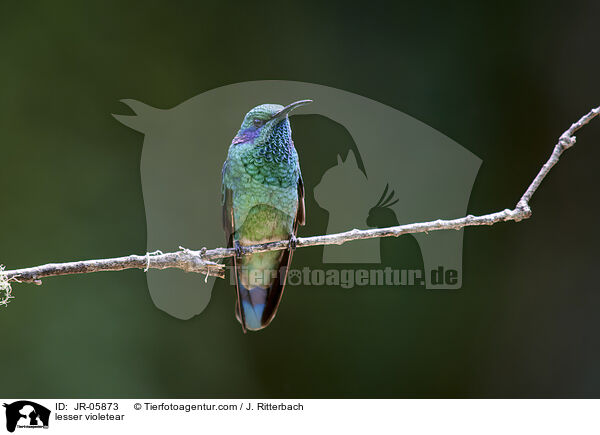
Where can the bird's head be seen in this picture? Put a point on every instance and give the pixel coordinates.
(266, 120)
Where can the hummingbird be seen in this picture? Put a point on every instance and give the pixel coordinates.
(263, 201)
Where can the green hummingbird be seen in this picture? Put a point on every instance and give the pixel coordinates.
(263, 201)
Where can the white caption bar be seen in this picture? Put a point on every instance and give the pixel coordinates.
(271, 416)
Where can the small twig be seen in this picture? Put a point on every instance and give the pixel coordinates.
(201, 261)
(566, 140)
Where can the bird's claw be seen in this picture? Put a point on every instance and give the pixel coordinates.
(293, 242)
(239, 250)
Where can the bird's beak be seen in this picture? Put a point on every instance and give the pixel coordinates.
(287, 109)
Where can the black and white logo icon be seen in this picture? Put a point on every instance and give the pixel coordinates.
(26, 414)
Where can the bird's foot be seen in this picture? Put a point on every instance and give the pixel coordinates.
(293, 242)
(239, 250)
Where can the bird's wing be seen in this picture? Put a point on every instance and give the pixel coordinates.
(229, 228)
(301, 213)
(227, 210)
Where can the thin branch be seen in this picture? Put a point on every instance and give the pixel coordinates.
(566, 140)
(189, 261)
(201, 261)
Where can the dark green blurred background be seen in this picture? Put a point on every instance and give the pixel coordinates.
(502, 80)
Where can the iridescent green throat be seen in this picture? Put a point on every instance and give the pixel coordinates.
(273, 162)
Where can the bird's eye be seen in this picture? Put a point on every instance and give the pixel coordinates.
(258, 122)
